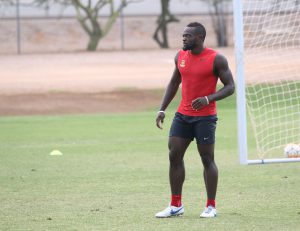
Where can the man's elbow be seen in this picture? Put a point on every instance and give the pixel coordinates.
(231, 89)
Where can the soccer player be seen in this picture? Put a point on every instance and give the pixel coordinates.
(198, 69)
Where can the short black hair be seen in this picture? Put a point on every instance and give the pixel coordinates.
(199, 28)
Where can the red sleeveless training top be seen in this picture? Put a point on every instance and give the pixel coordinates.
(198, 79)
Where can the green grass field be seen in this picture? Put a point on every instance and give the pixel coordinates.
(113, 175)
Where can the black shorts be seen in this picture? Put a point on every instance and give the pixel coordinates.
(189, 127)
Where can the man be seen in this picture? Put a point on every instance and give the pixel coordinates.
(198, 69)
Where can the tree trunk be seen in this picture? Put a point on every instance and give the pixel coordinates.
(161, 32)
(219, 23)
(93, 42)
(87, 15)
(164, 32)
(222, 30)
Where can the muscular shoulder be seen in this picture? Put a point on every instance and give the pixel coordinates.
(176, 57)
(179, 55)
(220, 63)
(220, 59)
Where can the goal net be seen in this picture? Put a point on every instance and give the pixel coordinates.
(271, 72)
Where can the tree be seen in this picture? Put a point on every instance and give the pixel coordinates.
(162, 24)
(220, 23)
(217, 11)
(87, 14)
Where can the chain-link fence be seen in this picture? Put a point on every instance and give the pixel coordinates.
(65, 34)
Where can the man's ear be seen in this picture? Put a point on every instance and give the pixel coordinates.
(201, 37)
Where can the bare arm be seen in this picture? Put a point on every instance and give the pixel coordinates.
(170, 92)
(221, 69)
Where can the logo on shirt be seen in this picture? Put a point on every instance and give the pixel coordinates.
(182, 64)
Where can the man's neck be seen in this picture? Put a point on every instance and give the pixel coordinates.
(197, 50)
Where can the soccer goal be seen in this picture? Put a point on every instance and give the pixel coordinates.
(267, 48)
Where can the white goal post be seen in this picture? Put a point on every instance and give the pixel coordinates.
(267, 53)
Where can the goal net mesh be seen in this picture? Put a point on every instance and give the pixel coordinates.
(272, 73)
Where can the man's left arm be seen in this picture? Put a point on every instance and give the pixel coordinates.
(221, 69)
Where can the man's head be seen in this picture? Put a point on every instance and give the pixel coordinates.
(193, 36)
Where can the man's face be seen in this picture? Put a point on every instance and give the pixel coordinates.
(188, 38)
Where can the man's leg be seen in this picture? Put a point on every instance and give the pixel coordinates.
(210, 172)
(177, 148)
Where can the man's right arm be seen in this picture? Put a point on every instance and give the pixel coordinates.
(170, 92)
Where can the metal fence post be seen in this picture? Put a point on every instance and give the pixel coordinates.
(18, 27)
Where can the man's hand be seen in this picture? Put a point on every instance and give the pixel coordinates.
(199, 102)
(160, 119)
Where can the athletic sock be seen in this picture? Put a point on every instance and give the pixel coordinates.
(176, 200)
(211, 202)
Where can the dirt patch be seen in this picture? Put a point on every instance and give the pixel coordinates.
(78, 83)
(79, 103)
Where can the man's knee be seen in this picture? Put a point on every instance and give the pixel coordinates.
(177, 147)
(206, 160)
(175, 157)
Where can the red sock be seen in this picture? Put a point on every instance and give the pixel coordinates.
(211, 202)
(176, 200)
